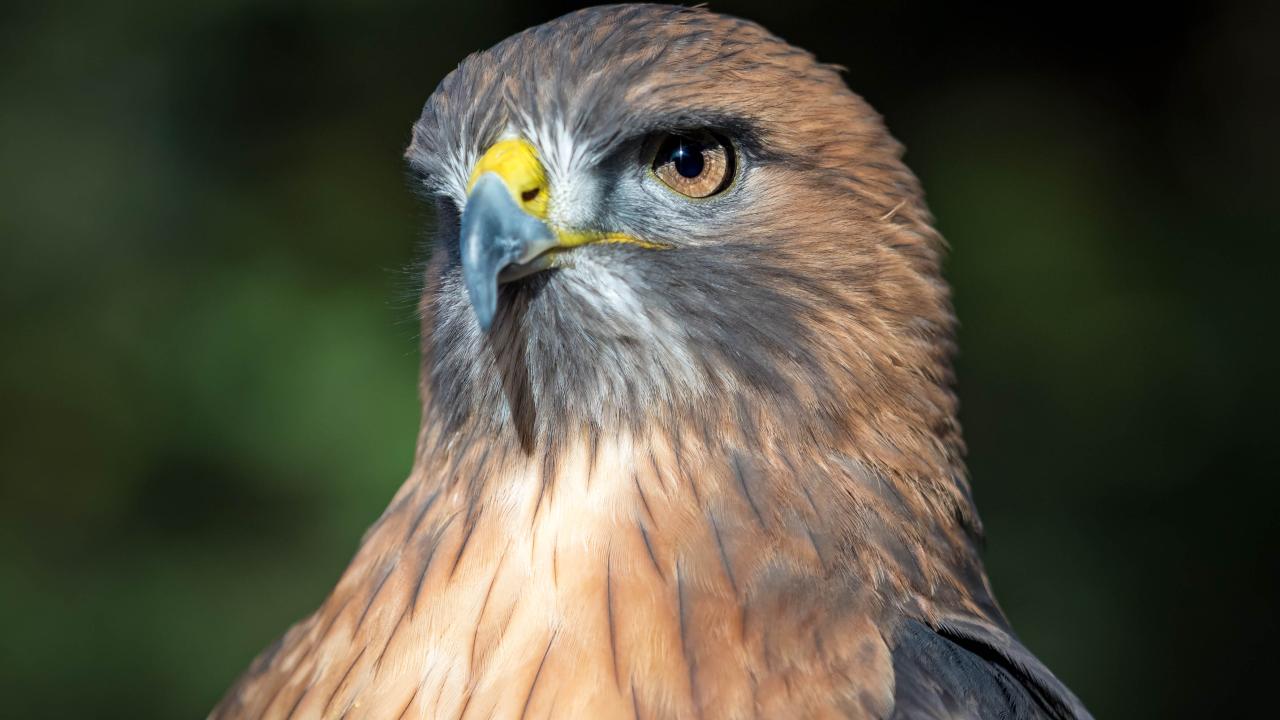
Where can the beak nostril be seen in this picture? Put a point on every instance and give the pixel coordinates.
(530, 195)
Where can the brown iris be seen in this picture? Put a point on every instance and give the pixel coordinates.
(697, 164)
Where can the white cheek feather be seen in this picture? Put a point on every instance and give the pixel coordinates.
(459, 163)
(662, 336)
(575, 194)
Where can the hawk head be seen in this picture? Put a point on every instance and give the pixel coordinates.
(655, 218)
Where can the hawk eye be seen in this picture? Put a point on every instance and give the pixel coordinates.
(697, 164)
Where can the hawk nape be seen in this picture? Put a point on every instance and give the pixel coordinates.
(689, 444)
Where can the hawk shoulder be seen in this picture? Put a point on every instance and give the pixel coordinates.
(971, 669)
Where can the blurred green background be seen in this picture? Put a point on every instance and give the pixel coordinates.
(208, 391)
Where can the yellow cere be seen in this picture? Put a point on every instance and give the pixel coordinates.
(516, 162)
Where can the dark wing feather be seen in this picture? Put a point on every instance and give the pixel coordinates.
(967, 669)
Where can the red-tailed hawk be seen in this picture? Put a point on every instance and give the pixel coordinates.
(689, 443)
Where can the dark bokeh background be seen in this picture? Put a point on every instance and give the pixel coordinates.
(209, 353)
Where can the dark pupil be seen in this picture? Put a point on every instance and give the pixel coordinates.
(686, 155)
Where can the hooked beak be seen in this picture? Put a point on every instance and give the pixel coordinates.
(499, 243)
(504, 232)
